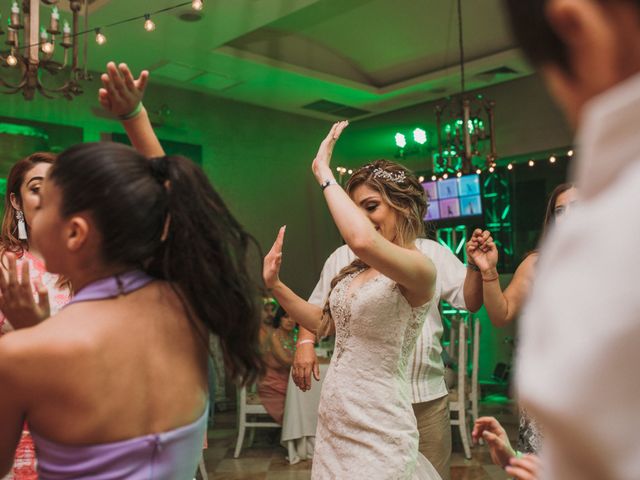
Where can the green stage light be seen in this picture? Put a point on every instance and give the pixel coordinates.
(420, 136)
(401, 141)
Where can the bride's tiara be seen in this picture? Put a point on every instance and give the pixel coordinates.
(390, 176)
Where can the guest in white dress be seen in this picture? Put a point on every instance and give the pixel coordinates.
(366, 426)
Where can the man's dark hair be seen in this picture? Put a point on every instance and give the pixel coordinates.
(534, 34)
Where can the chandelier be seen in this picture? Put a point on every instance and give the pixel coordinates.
(465, 127)
(29, 51)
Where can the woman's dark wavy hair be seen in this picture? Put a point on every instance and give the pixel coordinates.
(277, 319)
(203, 254)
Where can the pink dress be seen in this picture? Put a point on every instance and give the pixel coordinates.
(272, 388)
(24, 467)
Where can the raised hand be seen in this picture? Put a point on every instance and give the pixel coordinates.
(121, 93)
(17, 301)
(482, 251)
(322, 162)
(496, 437)
(273, 260)
(528, 467)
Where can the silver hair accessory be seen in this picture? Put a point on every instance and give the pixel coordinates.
(392, 177)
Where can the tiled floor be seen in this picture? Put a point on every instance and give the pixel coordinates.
(265, 460)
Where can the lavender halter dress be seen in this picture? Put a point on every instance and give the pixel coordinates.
(171, 455)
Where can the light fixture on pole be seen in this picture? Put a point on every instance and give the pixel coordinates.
(465, 127)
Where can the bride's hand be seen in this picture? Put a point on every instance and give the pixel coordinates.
(322, 163)
(273, 260)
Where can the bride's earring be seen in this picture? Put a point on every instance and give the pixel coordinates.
(22, 227)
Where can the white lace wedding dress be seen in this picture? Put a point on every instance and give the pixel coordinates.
(366, 426)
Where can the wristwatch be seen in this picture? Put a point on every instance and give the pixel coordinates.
(328, 183)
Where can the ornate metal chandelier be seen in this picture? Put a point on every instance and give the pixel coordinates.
(465, 126)
(29, 51)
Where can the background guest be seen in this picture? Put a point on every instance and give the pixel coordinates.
(277, 353)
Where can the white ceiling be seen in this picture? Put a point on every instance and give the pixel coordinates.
(373, 55)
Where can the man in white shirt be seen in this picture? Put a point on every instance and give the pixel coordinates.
(426, 370)
(577, 369)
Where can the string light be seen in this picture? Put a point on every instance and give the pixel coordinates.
(100, 37)
(510, 166)
(197, 5)
(433, 178)
(445, 176)
(531, 163)
(149, 26)
(570, 153)
(420, 179)
(478, 171)
(459, 174)
(552, 159)
(491, 169)
(12, 61)
(350, 172)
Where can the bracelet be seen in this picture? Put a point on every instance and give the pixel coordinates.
(490, 279)
(302, 342)
(328, 183)
(473, 267)
(134, 113)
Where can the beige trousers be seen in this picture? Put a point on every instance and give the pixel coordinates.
(435, 433)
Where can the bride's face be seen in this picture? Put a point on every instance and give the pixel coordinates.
(382, 216)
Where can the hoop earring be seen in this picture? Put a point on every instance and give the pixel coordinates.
(22, 226)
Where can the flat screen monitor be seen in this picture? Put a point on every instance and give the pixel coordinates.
(453, 198)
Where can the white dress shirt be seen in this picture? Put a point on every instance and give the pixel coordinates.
(426, 369)
(579, 357)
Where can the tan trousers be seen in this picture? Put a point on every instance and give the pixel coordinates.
(435, 433)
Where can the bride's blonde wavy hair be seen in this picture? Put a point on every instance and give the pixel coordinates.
(401, 190)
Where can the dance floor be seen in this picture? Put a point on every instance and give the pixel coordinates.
(265, 460)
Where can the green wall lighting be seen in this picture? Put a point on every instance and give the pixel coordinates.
(12, 129)
(420, 136)
(401, 140)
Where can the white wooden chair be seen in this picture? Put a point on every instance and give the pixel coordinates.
(458, 396)
(202, 469)
(475, 363)
(249, 404)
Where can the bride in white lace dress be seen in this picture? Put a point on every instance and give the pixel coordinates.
(366, 426)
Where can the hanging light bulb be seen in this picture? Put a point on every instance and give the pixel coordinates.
(491, 169)
(570, 153)
(149, 26)
(197, 5)
(420, 179)
(433, 178)
(46, 45)
(445, 176)
(12, 61)
(510, 166)
(531, 163)
(552, 159)
(350, 172)
(101, 39)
